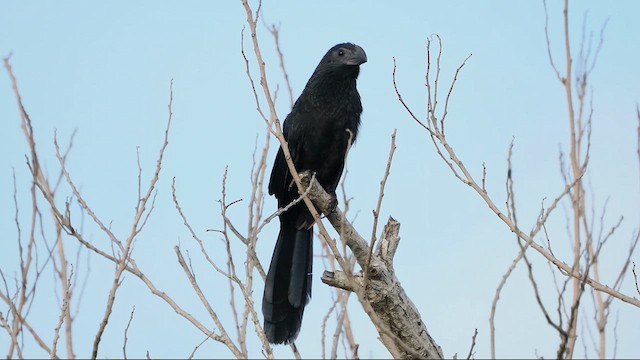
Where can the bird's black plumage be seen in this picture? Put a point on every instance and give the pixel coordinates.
(318, 129)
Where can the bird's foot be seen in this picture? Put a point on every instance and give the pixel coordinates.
(334, 203)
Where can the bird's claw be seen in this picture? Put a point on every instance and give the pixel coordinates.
(334, 204)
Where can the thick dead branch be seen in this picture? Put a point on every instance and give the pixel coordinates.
(391, 306)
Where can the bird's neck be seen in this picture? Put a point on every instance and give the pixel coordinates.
(331, 85)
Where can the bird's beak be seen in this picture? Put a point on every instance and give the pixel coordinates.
(358, 57)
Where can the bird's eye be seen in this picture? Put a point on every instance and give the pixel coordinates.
(340, 52)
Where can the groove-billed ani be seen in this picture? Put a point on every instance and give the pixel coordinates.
(317, 130)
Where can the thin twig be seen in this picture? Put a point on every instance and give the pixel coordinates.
(635, 276)
(473, 343)
(275, 31)
(63, 314)
(193, 353)
(126, 332)
(224, 337)
(376, 212)
(323, 327)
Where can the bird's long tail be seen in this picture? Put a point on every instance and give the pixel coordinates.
(288, 285)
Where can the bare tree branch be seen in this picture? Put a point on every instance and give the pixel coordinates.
(137, 226)
(384, 300)
(63, 315)
(465, 177)
(473, 344)
(126, 332)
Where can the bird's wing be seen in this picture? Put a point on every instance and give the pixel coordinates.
(280, 176)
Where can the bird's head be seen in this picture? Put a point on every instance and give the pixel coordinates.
(345, 54)
(342, 61)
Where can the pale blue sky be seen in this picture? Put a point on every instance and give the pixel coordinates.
(104, 69)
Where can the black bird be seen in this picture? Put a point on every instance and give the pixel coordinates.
(317, 131)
